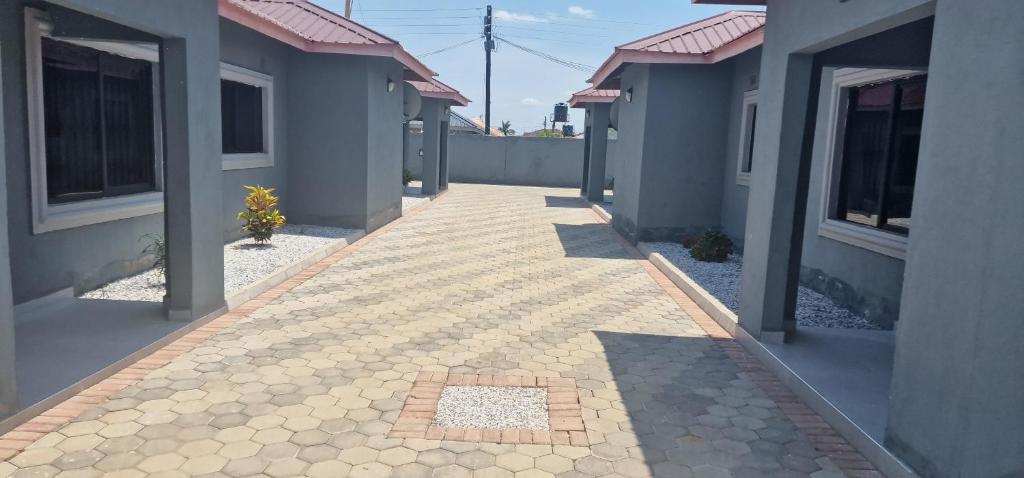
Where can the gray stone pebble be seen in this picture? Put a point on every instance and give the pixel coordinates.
(493, 408)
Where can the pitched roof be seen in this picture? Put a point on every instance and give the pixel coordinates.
(463, 124)
(494, 131)
(434, 88)
(592, 95)
(312, 28)
(702, 42)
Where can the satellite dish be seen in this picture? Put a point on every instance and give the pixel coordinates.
(613, 114)
(413, 102)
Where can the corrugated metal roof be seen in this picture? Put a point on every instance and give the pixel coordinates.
(701, 37)
(436, 89)
(702, 42)
(592, 95)
(311, 28)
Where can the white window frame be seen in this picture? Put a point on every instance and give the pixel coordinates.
(884, 242)
(48, 217)
(266, 84)
(746, 127)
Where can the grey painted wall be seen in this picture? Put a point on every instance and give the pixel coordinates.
(556, 162)
(53, 261)
(8, 389)
(246, 48)
(746, 69)
(673, 135)
(346, 140)
(957, 400)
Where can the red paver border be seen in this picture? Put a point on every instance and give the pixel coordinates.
(824, 438)
(20, 437)
(565, 413)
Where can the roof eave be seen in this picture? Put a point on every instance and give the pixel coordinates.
(581, 101)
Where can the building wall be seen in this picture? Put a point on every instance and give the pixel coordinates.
(957, 400)
(746, 69)
(384, 142)
(53, 261)
(677, 151)
(8, 389)
(248, 49)
(556, 162)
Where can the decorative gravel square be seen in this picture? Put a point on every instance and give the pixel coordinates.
(522, 408)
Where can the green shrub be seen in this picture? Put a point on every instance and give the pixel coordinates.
(260, 215)
(406, 177)
(711, 246)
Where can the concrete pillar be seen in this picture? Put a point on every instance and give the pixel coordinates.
(586, 153)
(597, 145)
(8, 390)
(443, 155)
(193, 200)
(431, 114)
(778, 198)
(957, 397)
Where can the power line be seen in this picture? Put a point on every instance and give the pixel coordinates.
(554, 59)
(421, 17)
(556, 40)
(423, 24)
(451, 47)
(542, 30)
(422, 9)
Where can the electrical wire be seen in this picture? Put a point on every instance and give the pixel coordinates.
(423, 9)
(450, 47)
(554, 59)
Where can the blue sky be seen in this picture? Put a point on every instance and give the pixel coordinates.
(524, 88)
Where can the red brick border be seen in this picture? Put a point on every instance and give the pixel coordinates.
(15, 441)
(818, 431)
(565, 414)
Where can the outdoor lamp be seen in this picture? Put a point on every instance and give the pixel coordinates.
(629, 95)
(391, 85)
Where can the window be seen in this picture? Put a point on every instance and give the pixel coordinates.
(246, 107)
(874, 148)
(95, 147)
(748, 128)
(98, 114)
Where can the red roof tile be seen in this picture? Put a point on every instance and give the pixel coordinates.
(311, 28)
(436, 89)
(706, 41)
(592, 95)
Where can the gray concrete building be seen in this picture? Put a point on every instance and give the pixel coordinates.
(315, 116)
(683, 100)
(870, 113)
(435, 116)
(597, 105)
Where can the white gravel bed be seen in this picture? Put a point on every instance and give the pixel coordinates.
(412, 196)
(244, 263)
(722, 280)
(493, 408)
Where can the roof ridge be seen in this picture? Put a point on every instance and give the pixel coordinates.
(334, 16)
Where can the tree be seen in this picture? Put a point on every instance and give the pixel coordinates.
(506, 128)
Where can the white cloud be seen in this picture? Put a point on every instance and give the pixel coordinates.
(518, 17)
(581, 12)
(531, 102)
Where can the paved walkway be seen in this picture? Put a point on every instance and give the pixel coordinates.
(488, 280)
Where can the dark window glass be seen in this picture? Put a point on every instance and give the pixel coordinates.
(241, 109)
(883, 132)
(98, 111)
(748, 162)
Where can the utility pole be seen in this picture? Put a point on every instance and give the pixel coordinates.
(488, 47)
(348, 8)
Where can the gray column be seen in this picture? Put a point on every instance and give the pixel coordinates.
(598, 149)
(957, 397)
(586, 152)
(193, 199)
(431, 114)
(778, 198)
(8, 390)
(443, 154)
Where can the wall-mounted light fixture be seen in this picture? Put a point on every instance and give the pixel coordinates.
(629, 95)
(421, 152)
(391, 85)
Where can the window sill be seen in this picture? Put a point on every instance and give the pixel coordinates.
(875, 240)
(743, 179)
(95, 211)
(247, 161)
